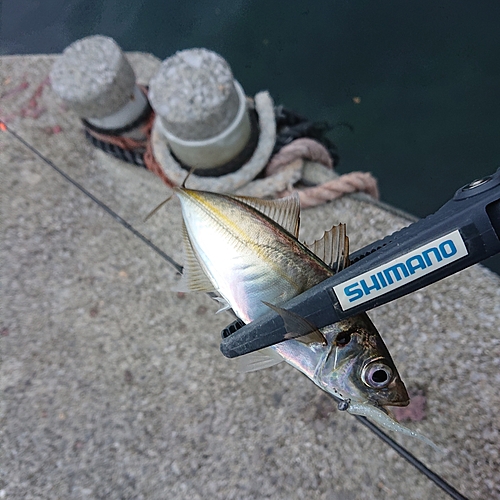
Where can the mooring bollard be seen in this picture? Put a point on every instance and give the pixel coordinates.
(205, 121)
(95, 79)
(201, 110)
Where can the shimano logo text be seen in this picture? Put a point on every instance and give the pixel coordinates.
(400, 271)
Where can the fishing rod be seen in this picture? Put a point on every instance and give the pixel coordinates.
(403, 452)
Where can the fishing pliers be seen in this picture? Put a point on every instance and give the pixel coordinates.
(464, 231)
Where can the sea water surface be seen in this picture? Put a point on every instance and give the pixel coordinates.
(418, 82)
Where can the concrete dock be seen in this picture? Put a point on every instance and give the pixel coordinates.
(113, 386)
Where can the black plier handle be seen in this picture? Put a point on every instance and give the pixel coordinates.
(464, 231)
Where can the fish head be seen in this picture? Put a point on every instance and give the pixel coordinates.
(358, 366)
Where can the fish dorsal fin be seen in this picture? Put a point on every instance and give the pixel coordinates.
(297, 327)
(332, 248)
(193, 278)
(283, 211)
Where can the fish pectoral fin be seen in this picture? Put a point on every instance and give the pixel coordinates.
(332, 248)
(193, 278)
(258, 360)
(283, 211)
(297, 327)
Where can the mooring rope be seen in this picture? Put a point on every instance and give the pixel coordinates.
(352, 182)
(153, 166)
(305, 148)
(311, 150)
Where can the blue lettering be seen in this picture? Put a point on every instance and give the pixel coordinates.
(381, 278)
(351, 290)
(436, 253)
(375, 285)
(448, 248)
(420, 264)
(395, 271)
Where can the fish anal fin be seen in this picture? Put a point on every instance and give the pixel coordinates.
(297, 327)
(332, 248)
(283, 211)
(194, 278)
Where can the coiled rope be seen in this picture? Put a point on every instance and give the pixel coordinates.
(313, 151)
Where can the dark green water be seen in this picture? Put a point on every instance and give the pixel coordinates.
(427, 73)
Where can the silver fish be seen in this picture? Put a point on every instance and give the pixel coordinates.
(246, 249)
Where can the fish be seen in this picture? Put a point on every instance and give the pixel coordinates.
(247, 251)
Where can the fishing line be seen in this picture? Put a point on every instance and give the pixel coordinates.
(403, 452)
(123, 222)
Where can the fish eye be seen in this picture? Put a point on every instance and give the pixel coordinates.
(376, 375)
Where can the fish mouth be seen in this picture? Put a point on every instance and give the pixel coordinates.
(398, 403)
(399, 394)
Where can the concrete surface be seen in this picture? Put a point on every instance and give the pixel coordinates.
(114, 387)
